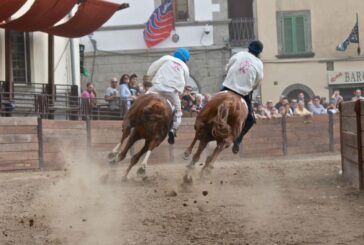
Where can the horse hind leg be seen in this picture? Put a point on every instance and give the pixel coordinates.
(196, 157)
(188, 151)
(134, 160)
(212, 158)
(114, 154)
(143, 168)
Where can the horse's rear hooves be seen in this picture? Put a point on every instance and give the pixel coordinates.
(111, 155)
(187, 179)
(141, 172)
(112, 162)
(186, 155)
(124, 179)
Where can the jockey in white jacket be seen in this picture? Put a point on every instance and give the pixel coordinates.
(170, 75)
(245, 71)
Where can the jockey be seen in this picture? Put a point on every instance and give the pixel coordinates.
(244, 73)
(170, 74)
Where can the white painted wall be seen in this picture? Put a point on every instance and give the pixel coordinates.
(139, 13)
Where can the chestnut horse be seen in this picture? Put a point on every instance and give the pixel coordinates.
(221, 120)
(150, 117)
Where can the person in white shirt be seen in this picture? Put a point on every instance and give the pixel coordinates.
(245, 71)
(170, 75)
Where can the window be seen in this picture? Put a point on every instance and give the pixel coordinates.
(180, 8)
(20, 57)
(294, 34)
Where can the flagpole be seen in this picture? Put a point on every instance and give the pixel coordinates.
(357, 21)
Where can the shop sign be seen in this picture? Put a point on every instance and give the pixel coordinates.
(345, 77)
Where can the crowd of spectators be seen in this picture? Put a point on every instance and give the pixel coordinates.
(121, 94)
(300, 106)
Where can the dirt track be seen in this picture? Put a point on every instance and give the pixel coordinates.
(270, 201)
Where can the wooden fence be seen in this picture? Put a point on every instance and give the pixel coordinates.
(31, 143)
(352, 125)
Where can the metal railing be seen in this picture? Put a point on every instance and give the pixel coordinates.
(242, 31)
(62, 107)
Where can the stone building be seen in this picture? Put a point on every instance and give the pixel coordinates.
(203, 27)
(300, 39)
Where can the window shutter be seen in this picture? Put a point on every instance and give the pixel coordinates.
(300, 34)
(288, 35)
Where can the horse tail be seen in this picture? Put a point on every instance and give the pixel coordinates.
(221, 128)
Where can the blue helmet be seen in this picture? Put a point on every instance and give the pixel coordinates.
(182, 54)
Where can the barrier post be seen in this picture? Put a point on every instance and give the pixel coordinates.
(284, 135)
(331, 132)
(40, 143)
(88, 133)
(359, 139)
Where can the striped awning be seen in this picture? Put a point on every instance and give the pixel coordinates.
(43, 16)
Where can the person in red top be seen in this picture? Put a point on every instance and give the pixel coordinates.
(90, 93)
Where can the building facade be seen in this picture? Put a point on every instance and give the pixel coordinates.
(29, 53)
(300, 39)
(202, 26)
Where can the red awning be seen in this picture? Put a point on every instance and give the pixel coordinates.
(44, 14)
(41, 15)
(90, 16)
(9, 7)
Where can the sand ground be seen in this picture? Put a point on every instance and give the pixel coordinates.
(292, 200)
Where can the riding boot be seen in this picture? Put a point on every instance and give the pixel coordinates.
(250, 121)
(248, 125)
(171, 136)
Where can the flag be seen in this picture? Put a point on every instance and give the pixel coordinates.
(159, 25)
(352, 38)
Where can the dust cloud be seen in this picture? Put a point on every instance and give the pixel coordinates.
(80, 206)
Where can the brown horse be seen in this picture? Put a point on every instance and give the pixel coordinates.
(150, 118)
(221, 120)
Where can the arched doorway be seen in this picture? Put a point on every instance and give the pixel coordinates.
(292, 91)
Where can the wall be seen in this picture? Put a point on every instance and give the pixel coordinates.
(61, 141)
(329, 26)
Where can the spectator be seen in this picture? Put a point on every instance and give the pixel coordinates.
(357, 95)
(125, 94)
(147, 84)
(206, 98)
(90, 94)
(279, 104)
(289, 111)
(301, 110)
(293, 105)
(331, 108)
(283, 111)
(337, 98)
(112, 95)
(301, 96)
(199, 102)
(269, 106)
(315, 106)
(133, 85)
(188, 99)
(261, 112)
(274, 113)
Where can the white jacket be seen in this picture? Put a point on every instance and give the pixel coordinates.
(245, 71)
(169, 74)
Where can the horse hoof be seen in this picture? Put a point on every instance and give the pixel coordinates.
(112, 162)
(124, 179)
(187, 179)
(141, 172)
(186, 155)
(111, 155)
(190, 166)
(206, 172)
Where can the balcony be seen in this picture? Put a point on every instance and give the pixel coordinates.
(242, 31)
